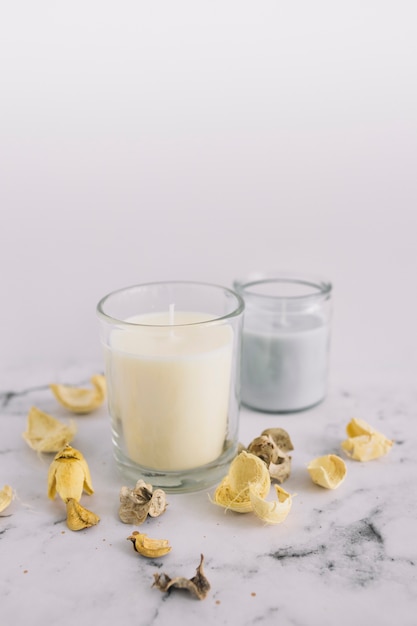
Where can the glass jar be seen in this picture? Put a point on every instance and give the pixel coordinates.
(172, 355)
(286, 338)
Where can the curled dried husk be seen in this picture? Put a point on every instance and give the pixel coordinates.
(280, 437)
(81, 400)
(151, 548)
(233, 491)
(364, 442)
(136, 504)
(44, 433)
(199, 586)
(6, 497)
(281, 471)
(263, 447)
(79, 517)
(272, 447)
(271, 512)
(327, 471)
(69, 475)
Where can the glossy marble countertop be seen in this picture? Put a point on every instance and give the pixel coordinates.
(341, 557)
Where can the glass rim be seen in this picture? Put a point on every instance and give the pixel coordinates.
(215, 320)
(322, 286)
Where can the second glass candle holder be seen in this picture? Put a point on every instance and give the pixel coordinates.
(286, 338)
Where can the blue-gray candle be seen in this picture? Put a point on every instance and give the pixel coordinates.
(286, 340)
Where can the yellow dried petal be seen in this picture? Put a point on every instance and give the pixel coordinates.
(327, 471)
(367, 447)
(225, 497)
(78, 517)
(358, 427)
(271, 512)
(69, 475)
(233, 492)
(80, 400)
(6, 496)
(364, 442)
(44, 433)
(151, 548)
(247, 468)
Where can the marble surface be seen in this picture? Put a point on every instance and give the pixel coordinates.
(341, 557)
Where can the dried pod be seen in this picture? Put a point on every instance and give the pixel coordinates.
(265, 448)
(78, 517)
(198, 585)
(45, 433)
(327, 471)
(233, 491)
(280, 471)
(271, 512)
(80, 400)
(276, 458)
(158, 503)
(151, 548)
(364, 442)
(280, 437)
(136, 504)
(69, 475)
(6, 496)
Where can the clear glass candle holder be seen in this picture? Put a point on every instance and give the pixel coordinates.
(286, 338)
(172, 357)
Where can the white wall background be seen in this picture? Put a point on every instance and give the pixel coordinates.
(151, 140)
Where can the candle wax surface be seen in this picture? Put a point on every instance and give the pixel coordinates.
(284, 367)
(169, 389)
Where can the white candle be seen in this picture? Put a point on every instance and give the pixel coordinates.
(169, 385)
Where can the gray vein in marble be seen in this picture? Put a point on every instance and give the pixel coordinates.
(354, 552)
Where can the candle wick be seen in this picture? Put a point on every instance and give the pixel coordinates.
(171, 319)
(171, 314)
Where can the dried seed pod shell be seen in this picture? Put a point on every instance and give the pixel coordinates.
(364, 442)
(280, 437)
(281, 471)
(233, 491)
(6, 497)
(132, 510)
(80, 400)
(271, 512)
(151, 548)
(276, 458)
(45, 433)
(69, 475)
(136, 504)
(158, 503)
(327, 471)
(197, 585)
(79, 517)
(265, 448)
